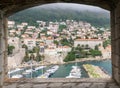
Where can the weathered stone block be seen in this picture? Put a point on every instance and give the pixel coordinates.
(14, 85)
(83, 85)
(117, 13)
(117, 30)
(113, 46)
(1, 67)
(26, 85)
(98, 85)
(112, 85)
(39, 85)
(55, 85)
(116, 60)
(117, 43)
(116, 74)
(69, 85)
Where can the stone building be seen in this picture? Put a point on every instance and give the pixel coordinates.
(14, 41)
(91, 42)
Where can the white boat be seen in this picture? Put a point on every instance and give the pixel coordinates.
(75, 72)
(28, 71)
(45, 75)
(53, 69)
(49, 72)
(16, 70)
(40, 67)
(17, 76)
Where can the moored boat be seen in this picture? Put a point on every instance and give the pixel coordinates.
(16, 70)
(75, 72)
(17, 76)
(49, 72)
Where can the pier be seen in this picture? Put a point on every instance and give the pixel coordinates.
(95, 71)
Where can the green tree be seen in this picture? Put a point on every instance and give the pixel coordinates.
(56, 42)
(106, 43)
(38, 58)
(38, 35)
(86, 46)
(10, 49)
(32, 57)
(70, 57)
(96, 47)
(25, 46)
(26, 57)
(95, 53)
(61, 27)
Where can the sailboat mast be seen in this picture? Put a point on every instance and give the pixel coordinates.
(31, 68)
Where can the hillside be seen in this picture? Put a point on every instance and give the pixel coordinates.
(46, 13)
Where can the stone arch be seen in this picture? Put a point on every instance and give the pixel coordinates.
(14, 6)
(9, 7)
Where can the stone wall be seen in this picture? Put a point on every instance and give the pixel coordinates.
(3, 47)
(17, 6)
(115, 32)
(16, 59)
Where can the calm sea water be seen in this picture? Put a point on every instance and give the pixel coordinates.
(64, 70)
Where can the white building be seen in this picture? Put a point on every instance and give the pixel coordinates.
(91, 42)
(31, 27)
(20, 26)
(12, 32)
(54, 51)
(31, 43)
(63, 49)
(11, 24)
(49, 41)
(106, 53)
(24, 24)
(50, 51)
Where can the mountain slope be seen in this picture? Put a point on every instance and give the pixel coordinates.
(96, 18)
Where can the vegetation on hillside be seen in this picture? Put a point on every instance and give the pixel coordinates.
(98, 19)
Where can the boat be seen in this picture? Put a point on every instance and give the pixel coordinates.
(17, 76)
(75, 72)
(16, 70)
(53, 69)
(45, 75)
(40, 67)
(28, 71)
(49, 72)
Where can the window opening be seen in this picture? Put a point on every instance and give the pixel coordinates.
(73, 46)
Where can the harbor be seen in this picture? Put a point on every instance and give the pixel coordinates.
(61, 71)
